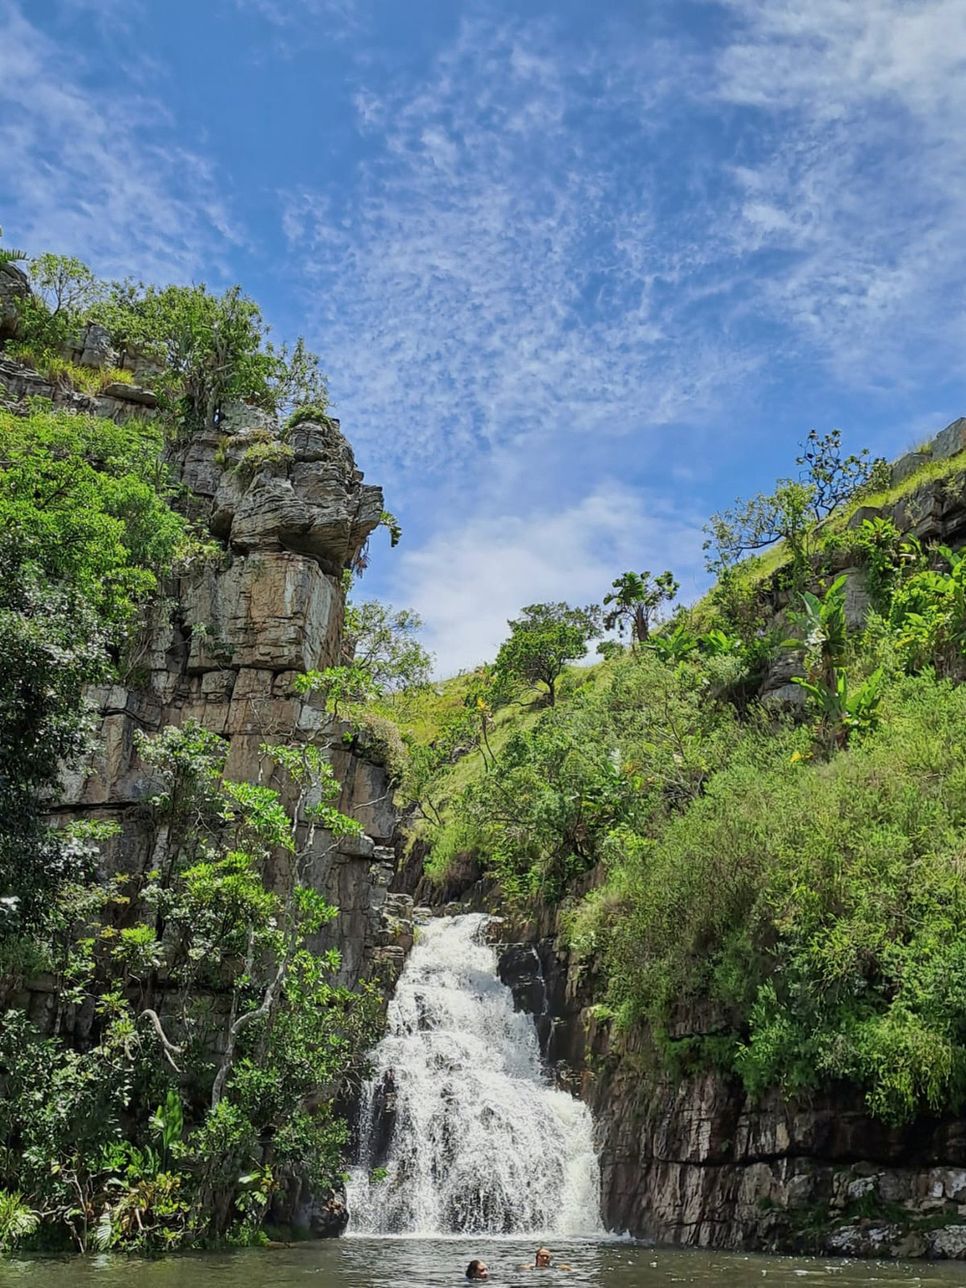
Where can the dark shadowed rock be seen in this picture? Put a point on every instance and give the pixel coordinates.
(14, 288)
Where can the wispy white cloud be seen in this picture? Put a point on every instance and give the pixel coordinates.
(472, 576)
(562, 253)
(632, 232)
(296, 22)
(859, 190)
(499, 271)
(97, 175)
(551, 247)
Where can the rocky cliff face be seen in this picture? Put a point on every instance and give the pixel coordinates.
(692, 1160)
(226, 643)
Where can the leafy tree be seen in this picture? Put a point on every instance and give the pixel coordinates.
(832, 477)
(790, 513)
(87, 533)
(211, 348)
(220, 909)
(543, 806)
(543, 640)
(298, 381)
(384, 642)
(636, 599)
(783, 515)
(63, 289)
(65, 284)
(609, 648)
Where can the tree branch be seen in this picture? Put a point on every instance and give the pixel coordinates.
(167, 1046)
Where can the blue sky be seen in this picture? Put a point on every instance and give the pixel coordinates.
(579, 273)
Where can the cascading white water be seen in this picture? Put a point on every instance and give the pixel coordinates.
(461, 1130)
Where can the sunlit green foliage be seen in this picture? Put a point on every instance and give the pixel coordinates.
(87, 531)
(208, 350)
(196, 1043)
(85, 503)
(206, 1001)
(793, 875)
(634, 601)
(385, 643)
(542, 640)
(828, 932)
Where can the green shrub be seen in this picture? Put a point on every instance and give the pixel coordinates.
(308, 411)
(830, 932)
(87, 533)
(211, 349)
(71, 375)
(264, 455)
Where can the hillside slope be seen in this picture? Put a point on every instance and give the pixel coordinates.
(748, 892)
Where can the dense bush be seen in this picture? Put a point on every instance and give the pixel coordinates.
(208, 349)
(794, 875)
(196, 1046)
(820, 906)
(204, 999)
(87, 531)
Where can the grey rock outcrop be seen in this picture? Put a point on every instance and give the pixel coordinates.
(93, 347)
(14, 288)
(229, 639)
(117, 401)
(307, 497)
(694, 1161)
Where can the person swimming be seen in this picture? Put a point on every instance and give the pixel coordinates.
(477, 1269)
(543, 1260)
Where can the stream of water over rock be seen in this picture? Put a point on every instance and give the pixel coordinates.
(462, 1131)
(482, 1158)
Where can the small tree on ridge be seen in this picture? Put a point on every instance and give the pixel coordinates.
(543, 640)
(635, 600)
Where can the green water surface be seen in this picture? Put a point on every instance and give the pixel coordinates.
(426, 1263)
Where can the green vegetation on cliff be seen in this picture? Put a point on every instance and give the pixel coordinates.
(87, 531)
(790, 868)
(172, 1048)
(197, 349)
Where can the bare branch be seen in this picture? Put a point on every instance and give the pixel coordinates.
(167, 1046)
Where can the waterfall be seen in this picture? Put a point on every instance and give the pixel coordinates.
(461, 1129)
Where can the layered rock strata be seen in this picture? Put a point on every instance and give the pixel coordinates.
(695, 1161)
(226, 643)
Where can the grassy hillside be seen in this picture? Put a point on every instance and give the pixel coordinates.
(798, 870)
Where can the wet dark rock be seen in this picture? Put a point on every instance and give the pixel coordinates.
(518, 966)
(299, 1213)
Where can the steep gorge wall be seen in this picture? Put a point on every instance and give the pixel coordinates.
(692, 1160)
(223, 648)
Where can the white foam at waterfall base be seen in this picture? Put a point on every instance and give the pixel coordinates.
(481, 1141)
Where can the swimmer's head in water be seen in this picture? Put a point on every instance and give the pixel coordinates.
(542, 1257)
(477, 1270)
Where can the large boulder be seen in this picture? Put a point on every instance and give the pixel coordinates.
(93, 347)
(274, 610)
(308, 497)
